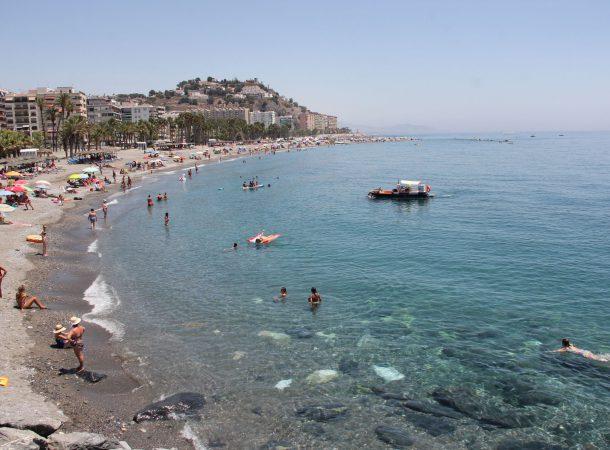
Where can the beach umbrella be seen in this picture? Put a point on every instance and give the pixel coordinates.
(91, 170)
(13, 174)
(4, 192)
(21, 182)
(77, 176)
(6, 208)
(18, 188)
(42, 188)
(42, 183)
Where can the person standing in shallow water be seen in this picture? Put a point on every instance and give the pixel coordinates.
(105, 209)
(166, 219)
(314, 300)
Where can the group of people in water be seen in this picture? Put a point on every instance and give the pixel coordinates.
(314, 300)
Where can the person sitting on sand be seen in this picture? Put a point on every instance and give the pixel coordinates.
(75, 338)
(314, 299)
(566, 346)
(25, 301)
(60, 341)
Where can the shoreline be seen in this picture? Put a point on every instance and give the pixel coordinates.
(77, 405)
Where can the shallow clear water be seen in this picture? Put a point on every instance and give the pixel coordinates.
(468, 291)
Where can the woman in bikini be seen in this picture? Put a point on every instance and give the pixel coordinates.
(314, 300)
(25, 301)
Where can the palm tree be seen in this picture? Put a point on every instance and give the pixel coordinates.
(72, 133)
(65, 104)
(40, 105)
(51, 116)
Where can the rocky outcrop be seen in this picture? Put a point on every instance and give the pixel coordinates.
(42, 417)
(81, 441)
(13, 439)
(183, 403)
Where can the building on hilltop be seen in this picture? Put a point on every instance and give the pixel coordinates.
(267, 118)
(102, 109)
(255, 91)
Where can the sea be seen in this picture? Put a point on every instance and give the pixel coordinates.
(439, 317)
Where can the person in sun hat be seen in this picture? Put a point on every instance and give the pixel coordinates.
(75, 338)
(59, 340)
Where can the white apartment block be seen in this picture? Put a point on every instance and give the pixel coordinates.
(265, 117)
(133, 112)
(102, 109)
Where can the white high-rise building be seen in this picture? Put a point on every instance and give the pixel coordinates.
(265, 117)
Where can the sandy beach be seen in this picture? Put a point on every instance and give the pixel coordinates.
(36, 391)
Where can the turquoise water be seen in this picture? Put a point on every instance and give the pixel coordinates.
(468, 291)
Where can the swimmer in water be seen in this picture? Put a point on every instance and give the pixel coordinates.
(165, 196)
(159, 197)
(149, 201)
(314, 300)
(166, 219)
(234, 245)
(566, 346)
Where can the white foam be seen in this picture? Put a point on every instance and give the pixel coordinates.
(188, 434)
(388, 373)
(283, 384)
(104, 300)
(92, 247)
(113, 202)
(258, 300)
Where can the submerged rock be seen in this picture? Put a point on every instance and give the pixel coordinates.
(238, 355)
(396, 437)
(81, 441)
(275, 445)
(467, 402)
(435, 426)
(300, 333)
(283, 384)
(516, 444)
(381, 392)
(186, 403)
(323, 413)
(279, 337)
(430, 408)
(388, 373)
(322, 376)
(327, 337)
(13, 439)
(348, 366)
(314, 428)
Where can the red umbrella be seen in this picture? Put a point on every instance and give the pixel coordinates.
(18, 188)
(21, 182)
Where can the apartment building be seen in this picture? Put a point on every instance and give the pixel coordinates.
(267, 118)
(307, 121)
(3, 93)
(102, 109)
(227, 113)
(21, 112)
(254, 90)
(134, 112)
(286, 121)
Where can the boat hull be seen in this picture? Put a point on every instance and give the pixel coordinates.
(399, 195)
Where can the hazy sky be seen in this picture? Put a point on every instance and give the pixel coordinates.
(454, 65)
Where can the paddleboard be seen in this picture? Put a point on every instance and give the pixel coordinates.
(34, 238)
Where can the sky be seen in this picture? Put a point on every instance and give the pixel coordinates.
(441, 65)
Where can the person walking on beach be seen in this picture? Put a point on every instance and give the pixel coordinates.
(2, 274)
(92, 218)
(75, 338)
(27, 202)
(166, 219)
(25, 301)
(105, 208)
(128, 182)
(314, 300)
(45, 240)
(113, 176)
